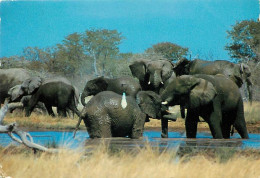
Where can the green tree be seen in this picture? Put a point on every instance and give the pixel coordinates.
(168, 50)
(245, 41)
(68, 57)
(101, 45)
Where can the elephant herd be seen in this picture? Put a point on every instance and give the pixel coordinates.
(121, 106)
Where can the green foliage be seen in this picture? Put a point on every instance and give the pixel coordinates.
(168, 50)
(101, 45)
(245, 41)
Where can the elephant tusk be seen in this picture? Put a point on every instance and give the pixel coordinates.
(123, 101)
(162, 83)
(165, 102)
(149, 83)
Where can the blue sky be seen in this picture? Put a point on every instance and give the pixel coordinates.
(199, 25)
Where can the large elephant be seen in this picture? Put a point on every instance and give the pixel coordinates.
(239, 73)
(57, 92)
(213, 97)
(127, 85)
(153, 75)
(10, 78)
(105, 115)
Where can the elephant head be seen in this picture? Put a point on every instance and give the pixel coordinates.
(188, 92)
(182, 67)
(93, 87)
(150, 103)
(152, 74)
(28, 87)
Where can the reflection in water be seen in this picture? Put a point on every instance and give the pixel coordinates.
(176, 139)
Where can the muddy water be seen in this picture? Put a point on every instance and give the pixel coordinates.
(176, 139)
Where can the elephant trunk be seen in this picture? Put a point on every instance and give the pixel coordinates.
(83, 96)
(156, 79)
(249, 89)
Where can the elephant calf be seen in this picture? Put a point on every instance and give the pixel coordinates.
(107, 114)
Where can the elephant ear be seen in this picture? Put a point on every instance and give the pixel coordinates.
(139, 68)
(31, 85)
(245, 70)
(202, 93)
(149, 102)
(15, 92)
(182, 67)
(167, 70)
(101, 83)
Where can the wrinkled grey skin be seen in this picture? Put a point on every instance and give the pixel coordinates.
(10, 78)
(52, 92)
(104, 115)
(239, 73)
(118, 85)
(153, 75)
(213, 97)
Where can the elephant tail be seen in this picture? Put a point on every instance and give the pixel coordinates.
(77, 126)
(76, 96)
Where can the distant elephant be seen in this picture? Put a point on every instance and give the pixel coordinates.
(213, 97)
(10, 78)
(127, 85)
(239, 73)
(153, 75)
(57, 92)
(105, 115)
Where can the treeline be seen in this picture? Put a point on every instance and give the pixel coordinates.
(95, 52)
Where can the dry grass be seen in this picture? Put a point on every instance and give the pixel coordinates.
(41, 122)
(252, 112)
(145, 163)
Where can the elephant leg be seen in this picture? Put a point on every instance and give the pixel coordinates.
(226, 125)
(74, 109)
(191, 123)
(31, 105)
(164, 124)
(61, 112)
(240, 123)
(49, 110)
(138, 126)
(215, 120)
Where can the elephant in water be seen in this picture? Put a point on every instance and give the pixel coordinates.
(239, 73)
(215, 98)
(107, 114)
(57, 92)
(127, 85)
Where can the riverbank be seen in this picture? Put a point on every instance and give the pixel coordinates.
(38, 122)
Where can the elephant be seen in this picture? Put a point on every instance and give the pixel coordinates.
(10, 78)
(215, 98)
(239, 73)
(127, 85)
(153, 75)
(57, 92)
(105, 115)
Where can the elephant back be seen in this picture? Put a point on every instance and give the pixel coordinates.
(125, 84)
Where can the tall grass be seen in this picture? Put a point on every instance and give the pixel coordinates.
(252, 112)
(145, 163)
